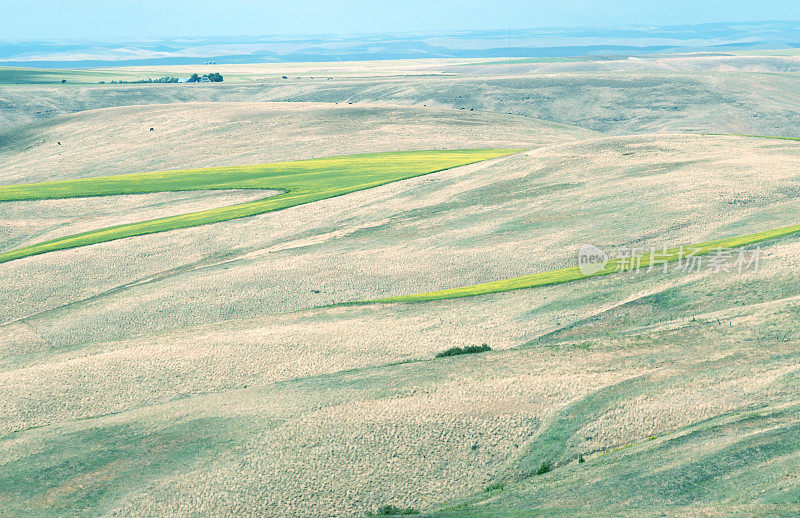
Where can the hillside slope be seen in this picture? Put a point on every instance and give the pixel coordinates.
(220, 370)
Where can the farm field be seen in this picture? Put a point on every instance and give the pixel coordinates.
(215, 363)
(26, 75)
(239, 73)
(301, 182)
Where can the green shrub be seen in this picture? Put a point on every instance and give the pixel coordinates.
(393, 510)
(497, 486)
(470, 349)
(544, 468)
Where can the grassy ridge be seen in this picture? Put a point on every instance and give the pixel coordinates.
(303, 181)
(613, 266)
(574, 273)
(749, 136)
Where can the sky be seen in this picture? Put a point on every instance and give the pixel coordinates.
(157, 19)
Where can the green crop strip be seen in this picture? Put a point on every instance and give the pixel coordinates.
(613, 266)
(303, 181)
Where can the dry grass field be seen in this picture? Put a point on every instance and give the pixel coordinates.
(218, 370)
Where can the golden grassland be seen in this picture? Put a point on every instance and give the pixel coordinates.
(213, 371)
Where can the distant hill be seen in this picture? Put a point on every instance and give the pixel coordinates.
(519, 43)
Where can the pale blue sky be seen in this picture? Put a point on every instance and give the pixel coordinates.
(99, 19)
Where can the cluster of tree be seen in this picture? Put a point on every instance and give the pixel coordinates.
(165, 79)
(214, 77)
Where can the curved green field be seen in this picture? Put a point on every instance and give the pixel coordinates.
(303, 181)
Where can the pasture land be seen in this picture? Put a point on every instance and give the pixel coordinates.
(214, 370)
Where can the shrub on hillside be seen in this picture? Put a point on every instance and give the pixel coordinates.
(544, 468)
(497, 486)
(393, 510)
(470, 349)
